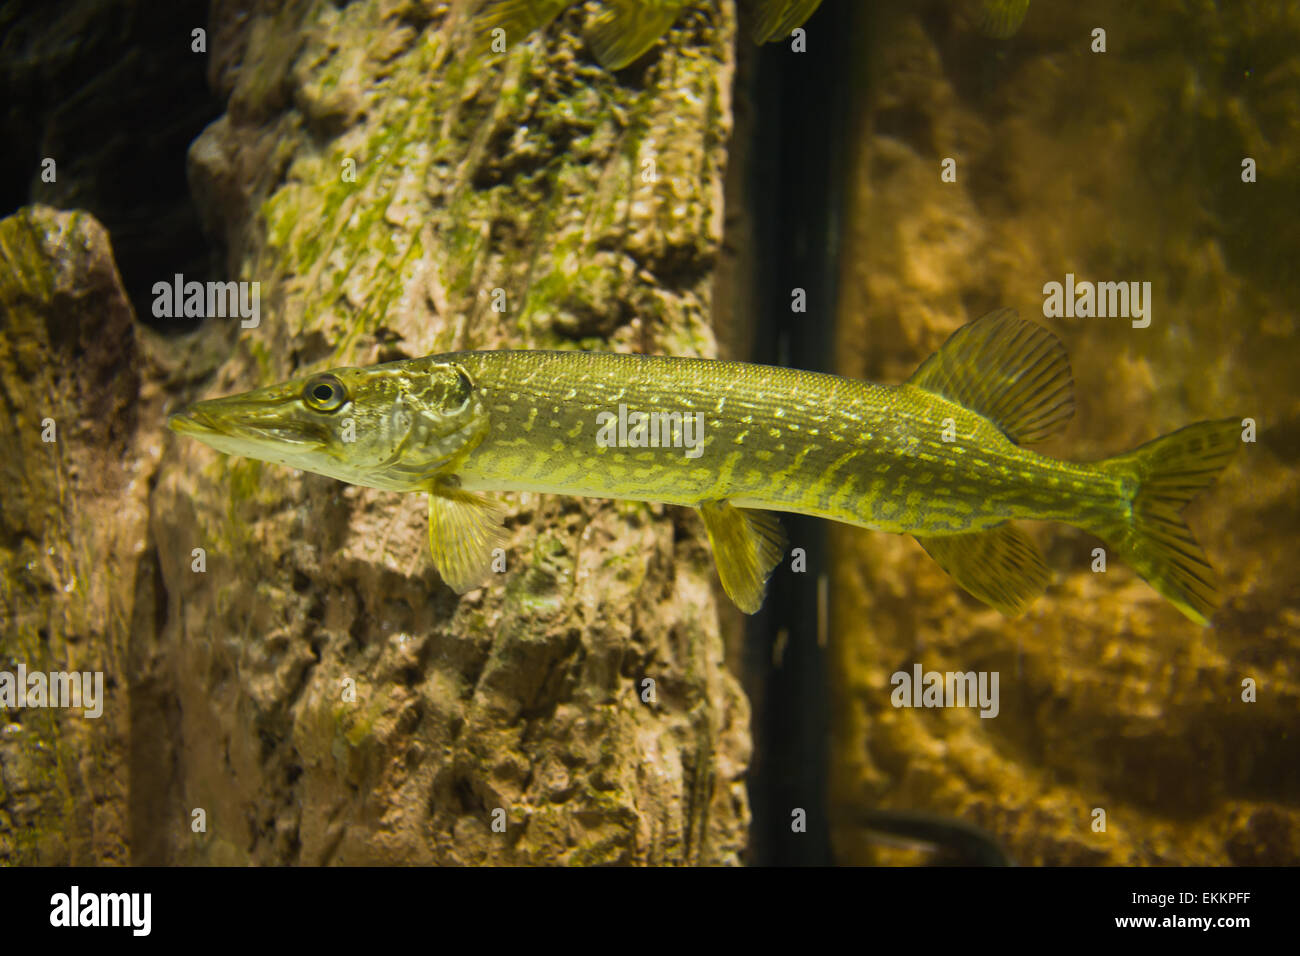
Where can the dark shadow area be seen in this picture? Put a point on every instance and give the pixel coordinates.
(800, 133)
(112, 93)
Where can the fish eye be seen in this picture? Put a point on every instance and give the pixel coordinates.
(325, 393)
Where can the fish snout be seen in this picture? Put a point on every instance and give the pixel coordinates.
(191, 421)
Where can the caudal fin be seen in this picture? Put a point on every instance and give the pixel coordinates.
(1165, 475)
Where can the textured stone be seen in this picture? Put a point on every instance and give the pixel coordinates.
(230, 688)
(75, 561)
(525, 697)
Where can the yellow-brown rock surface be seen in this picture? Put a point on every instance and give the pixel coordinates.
(1123, 165)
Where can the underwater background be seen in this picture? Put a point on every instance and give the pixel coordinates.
(286, 678)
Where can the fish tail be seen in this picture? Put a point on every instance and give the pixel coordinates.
(1162, 476)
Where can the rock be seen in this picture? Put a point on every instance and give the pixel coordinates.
(78, 570)
(334, 702)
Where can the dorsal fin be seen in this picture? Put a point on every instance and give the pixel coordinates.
(1013, 372)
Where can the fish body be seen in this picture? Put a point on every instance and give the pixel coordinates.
(772, 438)
(940, 457)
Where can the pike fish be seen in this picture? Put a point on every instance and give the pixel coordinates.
(939, 457)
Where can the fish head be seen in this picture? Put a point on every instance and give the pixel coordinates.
(396, 426)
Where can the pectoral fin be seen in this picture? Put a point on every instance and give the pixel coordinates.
(463, 530)
(747, 545)
(1001, 567)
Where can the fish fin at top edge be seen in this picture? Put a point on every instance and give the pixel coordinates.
(777, 19)
(1013, 372)
(998, 19)
(518, 18)
(747, 544)
(625, 29)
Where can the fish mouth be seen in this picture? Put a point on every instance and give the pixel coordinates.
(192, 421)
(204, 421)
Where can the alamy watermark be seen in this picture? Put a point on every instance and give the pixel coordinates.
(1122, 300)
(208, 300)
(634, 429)
(84, 689)
(946, 689)
(75, 908)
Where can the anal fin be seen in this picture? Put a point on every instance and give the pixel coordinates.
(1001, 566)
(747, 544)
(463, 530)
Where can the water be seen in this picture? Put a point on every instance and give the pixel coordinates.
(280, 654)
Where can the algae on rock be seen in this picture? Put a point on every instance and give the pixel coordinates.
(339, 703)
(287, 679)
(82, 437)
